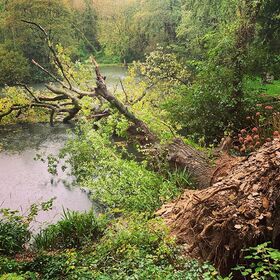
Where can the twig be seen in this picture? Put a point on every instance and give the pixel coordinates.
(52, 49)
(124, 91)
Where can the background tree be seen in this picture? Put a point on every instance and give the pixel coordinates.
(215, 43)
(73, 28)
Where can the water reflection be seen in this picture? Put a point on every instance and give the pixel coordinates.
(24, 181)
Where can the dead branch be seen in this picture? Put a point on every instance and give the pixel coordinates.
(140, 98)
(125, 93)
(52, 49)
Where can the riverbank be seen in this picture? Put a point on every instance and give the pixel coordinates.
(127, 240)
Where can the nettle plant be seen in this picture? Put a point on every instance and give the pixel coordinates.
(264, 127)
(263, 262)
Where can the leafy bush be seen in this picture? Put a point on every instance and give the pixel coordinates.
(8, 265)
(11, 276)
(14, 232)
(116, 182)
(14, 276)
(139, 248)
(50, 266)
(206, 109)
(73, 231)
(133, 247)
(263, 262)
(264, 125)
(14, 67)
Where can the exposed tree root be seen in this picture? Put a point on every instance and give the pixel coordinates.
(238, 211)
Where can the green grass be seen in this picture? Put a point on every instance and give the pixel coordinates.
(74, 231)
(272, 89)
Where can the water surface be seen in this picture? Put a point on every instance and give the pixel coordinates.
(24, 181)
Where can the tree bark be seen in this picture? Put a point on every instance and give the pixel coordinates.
(196, 163)
(238, 211)
(179, 154)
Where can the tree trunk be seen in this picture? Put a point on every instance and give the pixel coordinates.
(179, 154)
(196, 163)
(238, 211)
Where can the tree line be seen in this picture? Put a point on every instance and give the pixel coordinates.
(208, 60)
(113, 31)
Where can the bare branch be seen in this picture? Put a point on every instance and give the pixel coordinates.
(140, 98)
(124, 91)
(48, 73)
(12, 109)
(29, 91)
(52, 49)
(83, 93)
(103, 91)
(61, 91)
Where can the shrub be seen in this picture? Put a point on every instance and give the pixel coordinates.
(14, 228)
(14, 233)
(117, 182)
(73, 231)
(263, 262)
(264, 125)
(14, 67)
(137, 248)
(133, 247)
(14, 276)
(8, 265)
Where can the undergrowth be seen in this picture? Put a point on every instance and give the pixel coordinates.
(117, 181)
(127, 242)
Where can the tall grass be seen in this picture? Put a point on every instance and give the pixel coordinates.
(75, 230)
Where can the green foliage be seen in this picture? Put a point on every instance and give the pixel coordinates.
(24, 276)
(272, 88)
(14, 232)
(74, 29)
(85, 25)
(263, 262)
(14, 228)
(206, 109)
(116, 182)
(73, 231)
(51, 266)
(130, 28)
(132, 247)
(14, 67)
(205, 80)
(204, 76)
(137, 248)
(131, 240)
(17, 96)
(8, 265)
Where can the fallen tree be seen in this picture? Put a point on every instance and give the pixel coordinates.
(228, 213)
(239, 211)
(65, 99)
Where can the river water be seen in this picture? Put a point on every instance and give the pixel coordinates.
(24, 181)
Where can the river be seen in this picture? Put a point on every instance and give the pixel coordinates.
(24, 181)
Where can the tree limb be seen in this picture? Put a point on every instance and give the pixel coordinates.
(52, 49)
